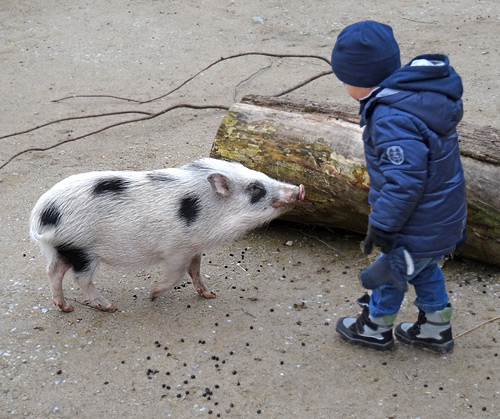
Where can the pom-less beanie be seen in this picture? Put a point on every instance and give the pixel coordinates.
(365, 54)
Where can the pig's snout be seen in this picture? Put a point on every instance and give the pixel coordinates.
(302, 193)
(289, 196)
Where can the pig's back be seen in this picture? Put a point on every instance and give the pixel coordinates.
(125, 218)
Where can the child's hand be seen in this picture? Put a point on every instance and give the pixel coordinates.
(380, 238)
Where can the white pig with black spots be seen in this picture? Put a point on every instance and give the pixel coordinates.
(164, 217)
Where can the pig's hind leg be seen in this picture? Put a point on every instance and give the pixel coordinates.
(194, 273)
(56, 270)
(84, 265)
(96, 300)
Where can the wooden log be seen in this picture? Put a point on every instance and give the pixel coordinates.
(320, 146)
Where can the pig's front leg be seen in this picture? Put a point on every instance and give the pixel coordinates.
(194, 273)
(175, 273)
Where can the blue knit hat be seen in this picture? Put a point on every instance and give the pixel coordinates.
(365, 54)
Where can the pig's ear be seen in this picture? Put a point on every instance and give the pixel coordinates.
(220, 184)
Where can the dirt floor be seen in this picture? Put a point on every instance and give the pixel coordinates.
(266, 346)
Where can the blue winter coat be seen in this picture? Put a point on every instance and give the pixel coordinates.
(417, 185)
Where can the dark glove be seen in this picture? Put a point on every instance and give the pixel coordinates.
(380, 238)
(392, 268)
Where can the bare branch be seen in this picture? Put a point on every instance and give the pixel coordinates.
(150, 115)
(244, 54)
(298, 86)
(477, 326)
(72, 118)
(117, 124)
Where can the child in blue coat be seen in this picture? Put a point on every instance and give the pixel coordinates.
(417, 187)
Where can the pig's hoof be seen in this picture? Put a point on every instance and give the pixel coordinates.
(110, 309)
(207, 293)
(64, 307)
(158, 291)
(155, 295)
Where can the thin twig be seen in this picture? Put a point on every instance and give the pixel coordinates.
(82, 304)
(313, 237)
(251, 315)
(309, 80)
(418, 21)
(477, 326)
(97, 96)
(73, 118)
(244, 54)
(117, 124)
(249, 78)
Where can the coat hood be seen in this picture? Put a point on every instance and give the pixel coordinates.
(427, 87)
(429, 73)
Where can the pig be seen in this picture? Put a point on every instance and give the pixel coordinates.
(165, 217)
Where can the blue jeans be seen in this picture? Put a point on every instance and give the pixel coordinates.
(429, 284)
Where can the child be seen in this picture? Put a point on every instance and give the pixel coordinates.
(417, 187)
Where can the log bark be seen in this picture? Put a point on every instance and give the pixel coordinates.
(320, 146)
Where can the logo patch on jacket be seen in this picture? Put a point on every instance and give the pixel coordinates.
(396, 155)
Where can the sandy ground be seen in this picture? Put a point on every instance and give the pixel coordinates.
(266, 346)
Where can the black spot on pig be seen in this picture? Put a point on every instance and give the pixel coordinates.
(160, 177)
(189, 209)
(115, 185)
(75, 256)
(256, 191)
(50, 216)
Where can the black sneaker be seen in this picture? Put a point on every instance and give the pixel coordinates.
(374, 333)
(431, 331)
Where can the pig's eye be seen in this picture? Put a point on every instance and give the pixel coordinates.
(257, 191)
